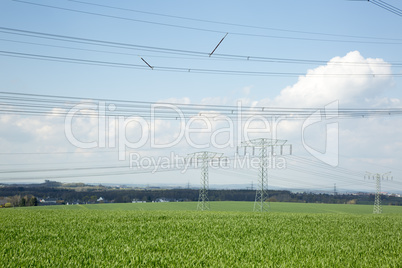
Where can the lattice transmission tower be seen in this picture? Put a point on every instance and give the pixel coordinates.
(378, 177)
(204, 159)
(265, 147)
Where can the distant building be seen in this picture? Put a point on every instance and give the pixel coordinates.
(164, 199)
(138, 201)
(48, 201)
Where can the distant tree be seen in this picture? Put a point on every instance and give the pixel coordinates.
(22, 202)
(126, 199)
(273, 199)
(33, 201)
(15, 200)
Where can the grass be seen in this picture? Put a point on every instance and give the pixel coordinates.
(237, 207)
(174, 234)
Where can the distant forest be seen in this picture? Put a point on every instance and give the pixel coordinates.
(128, 195)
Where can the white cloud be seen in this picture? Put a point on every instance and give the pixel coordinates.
(311, 90)
(359, 138)
(339, 80)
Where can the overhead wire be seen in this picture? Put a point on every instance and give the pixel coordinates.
(86, 175)
(276, 180)
(223, 57)
(196, 54)
(39, 107)
(184, 53)
(89, 41)
(346, 181)
(180, 163)
(319, 164)
(188, 57)
(197, 28)
(55, 153)
(322, 170)
(149, 168)
(315, 169)
(102, 167)
(51, 105)
(386, 6)
(230, 24)
(337, 174)
(177, 69)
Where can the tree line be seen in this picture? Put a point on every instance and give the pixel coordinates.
(26, 194)
(21, 201)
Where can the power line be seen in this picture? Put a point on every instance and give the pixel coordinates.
(42, 98)
(201, 29)
(102, 174)
(196, 54)
(179, 69)
(55, 153)
(176, 166)
(319, 164)
(386, 6)
(313, 175)
(233, 24)
(179, 165)
(88, 41)
(35, 104)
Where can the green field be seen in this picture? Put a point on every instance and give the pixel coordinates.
(174, 234)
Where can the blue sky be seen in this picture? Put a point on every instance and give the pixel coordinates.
(333, 17)
(337, 27)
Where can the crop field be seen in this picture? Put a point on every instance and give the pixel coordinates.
(174, 234)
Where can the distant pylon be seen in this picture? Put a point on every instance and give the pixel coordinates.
(261, 196)
(265, 146)
(377, 200)
(204, 159)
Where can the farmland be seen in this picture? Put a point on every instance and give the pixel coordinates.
(173, 234)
